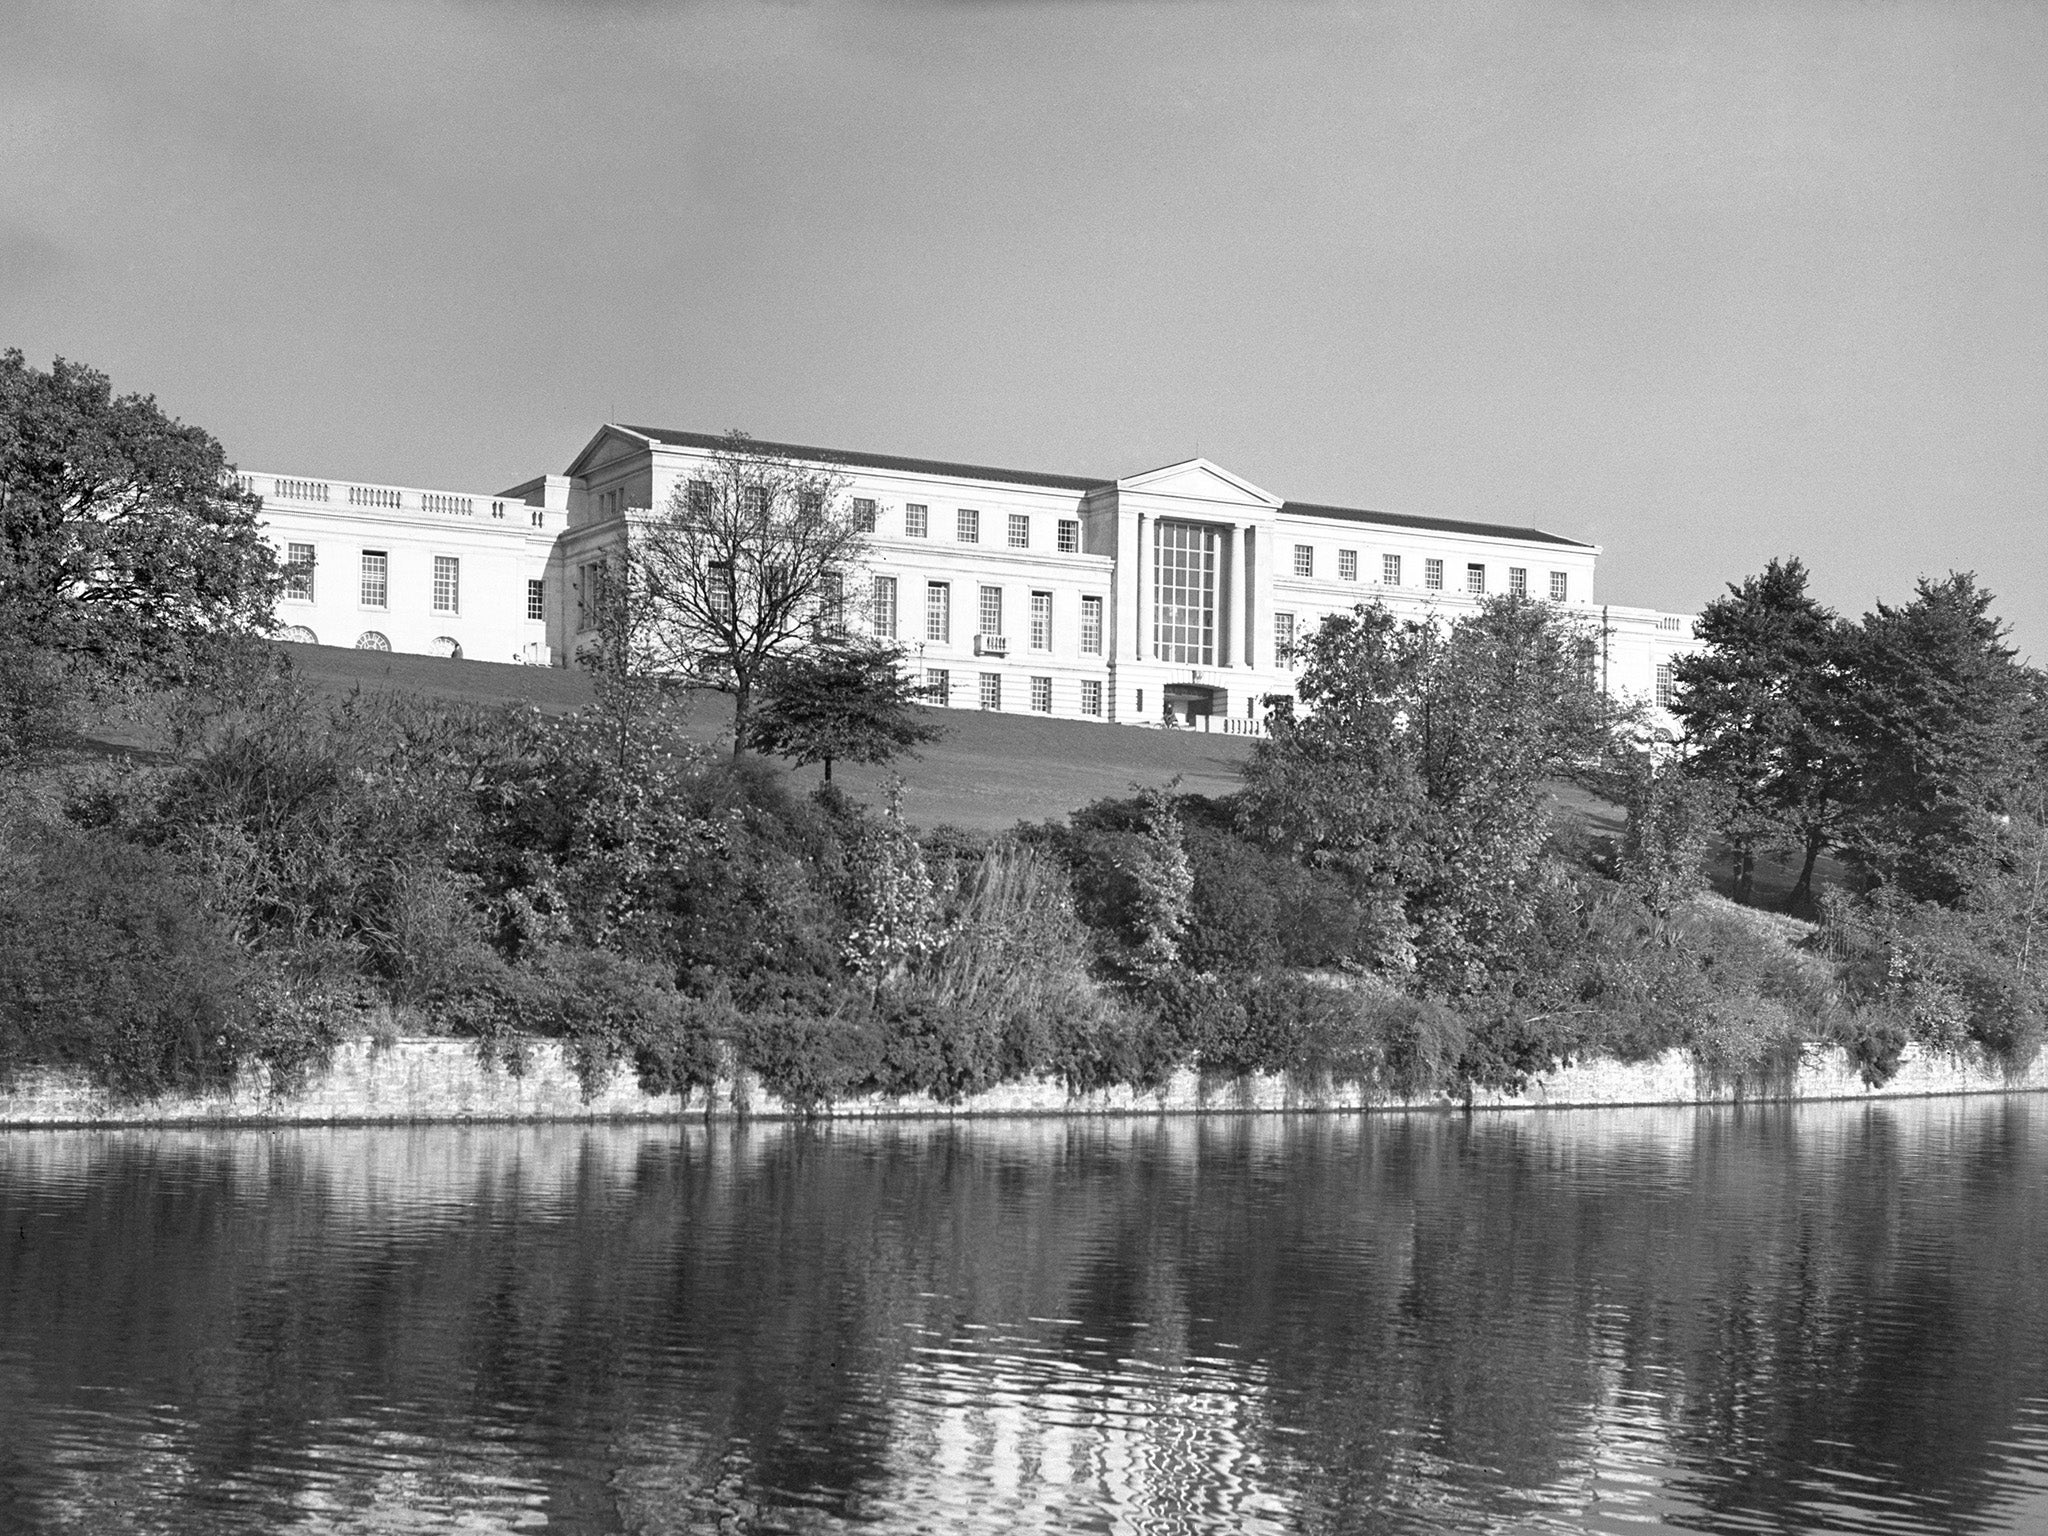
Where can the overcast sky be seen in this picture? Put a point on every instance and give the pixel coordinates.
(1701, 282)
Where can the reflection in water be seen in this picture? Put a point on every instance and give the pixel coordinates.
(1819, 1317)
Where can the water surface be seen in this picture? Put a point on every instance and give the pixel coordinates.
(1825, 1318)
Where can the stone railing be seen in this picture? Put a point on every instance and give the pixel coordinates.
(392, 498)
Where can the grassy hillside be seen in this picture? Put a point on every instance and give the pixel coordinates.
(989, 771)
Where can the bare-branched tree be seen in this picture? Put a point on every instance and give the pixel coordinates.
(746, 565)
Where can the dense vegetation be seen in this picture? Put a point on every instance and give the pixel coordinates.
(1390, 899)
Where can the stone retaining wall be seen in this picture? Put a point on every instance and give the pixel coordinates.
(413, 1081)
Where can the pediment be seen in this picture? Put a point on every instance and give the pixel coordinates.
(609, 446)
(1198, 480)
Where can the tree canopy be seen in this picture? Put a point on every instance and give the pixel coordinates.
(123, 539)
(844, 700)
(1418, 767)
(740, 570)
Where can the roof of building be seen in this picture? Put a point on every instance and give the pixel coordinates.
(713, 440)
(881, 460)
(1437, 524)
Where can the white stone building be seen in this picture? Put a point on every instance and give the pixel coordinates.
(1176, 592)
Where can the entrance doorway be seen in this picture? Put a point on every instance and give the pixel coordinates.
(1190, 705)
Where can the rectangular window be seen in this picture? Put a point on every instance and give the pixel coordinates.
(864, 514)
(1041, 621)
(1304, 560)
(1091, 698)
(586, 594)
(376, 579)
(1283, 638)
(703, 498)
(536, 599)
(1184, 593)
(1518, 581)
(298, 572)
(1091, 626)
(991, 690)
(938, 611)
(967, 526)
(831, 604)
(1475, 579)
(1557, 586)
(725, 595)
(1070, 536)
(991, 610)
(1347, 565)
(447, 584)
(1433, 575)
(1020, 531)
(916, 522)
(1390, 570)
(1664, 685)
(1041, 695)
(938, 685)
(882, 608)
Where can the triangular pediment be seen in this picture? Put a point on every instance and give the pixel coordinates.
(1198, 480)
(611, 444)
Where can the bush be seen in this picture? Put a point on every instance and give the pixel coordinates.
(114, 964)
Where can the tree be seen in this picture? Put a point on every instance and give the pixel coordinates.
(740, 571)
(125, 545)
(1763, 707)
(843, 700)
(1944, 723)
(1417, 769)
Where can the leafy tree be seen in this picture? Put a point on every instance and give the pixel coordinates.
(1763, 706)
(844, 699)
(735, 573)
(124, 545)
(1945, 729)
(1418, 769)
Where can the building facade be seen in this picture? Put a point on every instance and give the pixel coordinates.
(1173, 596)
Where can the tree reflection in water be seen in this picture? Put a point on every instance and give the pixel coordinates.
(1822, 1316)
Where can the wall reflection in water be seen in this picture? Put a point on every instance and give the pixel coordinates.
(1821, 1317)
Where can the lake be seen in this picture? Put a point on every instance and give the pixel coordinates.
(1778, 1318)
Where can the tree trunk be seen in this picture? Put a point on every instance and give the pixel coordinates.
(742, 703)
(828, 770)
(1801, 899)
(1745, 874)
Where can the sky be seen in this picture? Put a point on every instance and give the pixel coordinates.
(1705, 283)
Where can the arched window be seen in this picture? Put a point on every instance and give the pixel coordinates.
(447, 646)
(370, 640)
(298, 634)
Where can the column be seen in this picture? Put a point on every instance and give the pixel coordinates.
(1140, 607)
(1248, 620)
(1233, 628)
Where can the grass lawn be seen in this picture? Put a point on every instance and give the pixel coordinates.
(989, 771)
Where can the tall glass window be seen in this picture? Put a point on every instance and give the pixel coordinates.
(1557, 586)
(376, 579)
(1041, 621)
(938, 611)
(991, 610)
(968, 526)
(916, 521)
(447, 584)
(1020, 531)
(882, 608)
(1433, 573)
(1347, 565)
(536, 599)
(298, 572)
(1184, 593)
(1091, 626)
(1390, 570)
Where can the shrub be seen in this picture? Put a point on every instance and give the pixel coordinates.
(114, 964)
